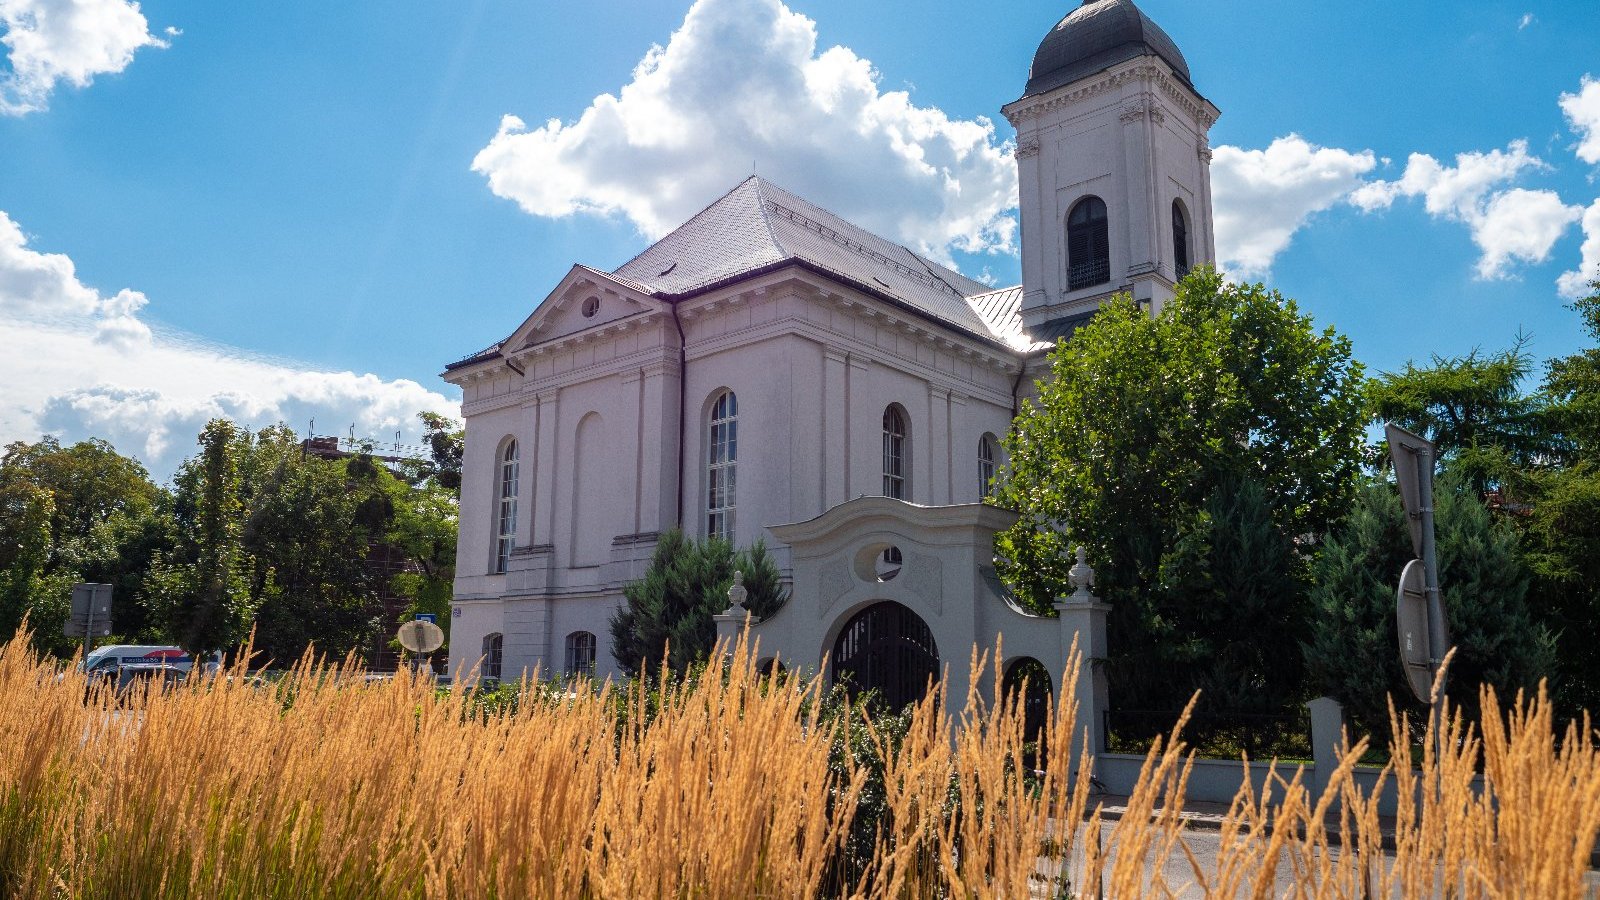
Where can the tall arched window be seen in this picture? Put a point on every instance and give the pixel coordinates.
(1088, 244)
(506, 514)
(895, 458)
(721, 461)
(492, 646)
(580, 653)
(1180, 240)
(985, 465)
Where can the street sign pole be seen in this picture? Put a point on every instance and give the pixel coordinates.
(90, 615)
(1437, 638)
(1430, 566)
(1413, 457)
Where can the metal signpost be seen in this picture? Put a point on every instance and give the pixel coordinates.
(1419, 612)
(420, 637)
(91, 614)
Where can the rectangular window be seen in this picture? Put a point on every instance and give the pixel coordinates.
(721, 468)
(894, 481)
(506, 527)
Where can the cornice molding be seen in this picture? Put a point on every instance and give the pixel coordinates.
(1027, 108)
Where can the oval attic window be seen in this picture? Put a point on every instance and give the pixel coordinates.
(590, 307)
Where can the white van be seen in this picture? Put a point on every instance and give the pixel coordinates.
(108, 659)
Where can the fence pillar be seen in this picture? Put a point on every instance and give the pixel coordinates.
(1327, 732)
(732, 621)
(1083, 617)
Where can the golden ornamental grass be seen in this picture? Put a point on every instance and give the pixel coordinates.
(323, 785)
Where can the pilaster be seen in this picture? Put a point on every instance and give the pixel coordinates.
(835, 427)
(546, 463)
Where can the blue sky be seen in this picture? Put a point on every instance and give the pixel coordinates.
(298, 210)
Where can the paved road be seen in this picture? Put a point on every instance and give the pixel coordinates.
(1178, 876)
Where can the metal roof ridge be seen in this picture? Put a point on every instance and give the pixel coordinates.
(834, 236)
(761, 207)
(686, 222)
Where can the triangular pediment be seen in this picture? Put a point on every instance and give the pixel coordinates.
(584, 299)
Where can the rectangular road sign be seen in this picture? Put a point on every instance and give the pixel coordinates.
(91, 612)
(428, 617)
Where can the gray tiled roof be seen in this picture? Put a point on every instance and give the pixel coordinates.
(758, 224)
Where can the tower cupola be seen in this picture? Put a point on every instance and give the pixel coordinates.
(1113, 164)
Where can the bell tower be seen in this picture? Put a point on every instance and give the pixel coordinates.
(1113, 166)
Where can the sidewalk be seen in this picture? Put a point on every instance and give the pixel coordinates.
(1204, 816)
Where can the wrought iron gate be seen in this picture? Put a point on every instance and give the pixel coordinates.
(888, 648)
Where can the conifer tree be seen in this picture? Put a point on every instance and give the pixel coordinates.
(668, 612)
(1353, 654)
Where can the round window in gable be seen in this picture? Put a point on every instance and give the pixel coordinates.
(590, 307)
(888, 564)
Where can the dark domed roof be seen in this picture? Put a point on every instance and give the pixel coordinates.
(1096, 36)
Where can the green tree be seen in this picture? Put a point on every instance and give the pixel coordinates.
(1229, 602)
(445, 441)
(424, 529)
(1353, 652)
(106, 525)
(425, 522)
(203, 588)
(1142, 423)
(25, 514)
(309, 526)
(90, 483)
(667, 613)
(1560, 516)
(1573, 383)
(1474, 409)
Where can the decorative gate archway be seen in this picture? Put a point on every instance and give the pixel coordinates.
(886, 647)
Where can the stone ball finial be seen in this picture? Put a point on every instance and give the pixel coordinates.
(738, 593)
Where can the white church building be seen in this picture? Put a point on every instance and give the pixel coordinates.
(771, 371)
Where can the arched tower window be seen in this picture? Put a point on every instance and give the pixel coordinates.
(1088, 244)
(896, 458)
(985, 465)
(722, 459)
(580, 653)
(506, 513)
(1180, 240)
(493, 645)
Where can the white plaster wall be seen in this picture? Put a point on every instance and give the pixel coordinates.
(591, 613)
(470, 621)
(1123, 136)
(597, 421)
(475, 543)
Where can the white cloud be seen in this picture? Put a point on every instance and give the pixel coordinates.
(741, 83)
(1261, 198)
(77, 364)
(72, 41)
(1520, 225)
(1582, 110)
(1508, 224)
(1575, 284)
(1526, 20)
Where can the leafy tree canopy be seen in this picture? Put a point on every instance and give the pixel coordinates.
(1142, 436)
(1573, 382)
